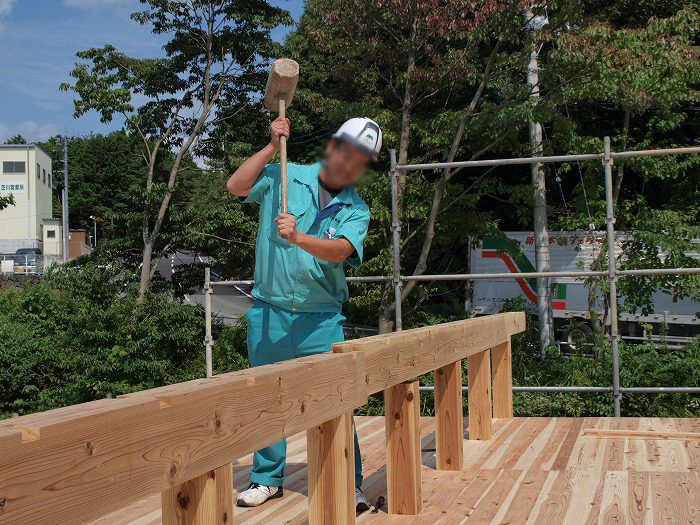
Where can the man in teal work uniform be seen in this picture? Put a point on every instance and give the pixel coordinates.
(299, 257)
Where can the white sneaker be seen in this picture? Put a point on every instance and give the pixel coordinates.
(361, 501)
(257, 494)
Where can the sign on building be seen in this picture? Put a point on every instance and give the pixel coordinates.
(12, 187)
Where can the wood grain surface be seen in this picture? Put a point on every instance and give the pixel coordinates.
(402, 356)
(449, 417)
(554, 473)
(72, 466)
(403, 448)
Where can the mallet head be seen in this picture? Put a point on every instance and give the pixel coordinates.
(281, 83)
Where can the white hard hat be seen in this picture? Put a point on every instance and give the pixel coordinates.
(363, 133)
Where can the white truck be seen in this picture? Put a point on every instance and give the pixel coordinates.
(571, 251)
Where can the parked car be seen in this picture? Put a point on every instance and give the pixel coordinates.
(27, 260)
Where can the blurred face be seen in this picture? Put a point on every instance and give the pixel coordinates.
(344, 164)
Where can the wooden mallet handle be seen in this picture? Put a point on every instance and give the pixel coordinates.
(281, 85)
(283, 162)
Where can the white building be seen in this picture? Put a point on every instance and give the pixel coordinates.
(25, 173)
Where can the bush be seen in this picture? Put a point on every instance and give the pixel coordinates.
(78, 336)
(640, 365)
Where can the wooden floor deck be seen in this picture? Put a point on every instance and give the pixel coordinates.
(533, 471)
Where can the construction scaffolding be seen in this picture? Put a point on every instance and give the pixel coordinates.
(607, 158)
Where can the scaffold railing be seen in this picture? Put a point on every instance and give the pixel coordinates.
(612, 273)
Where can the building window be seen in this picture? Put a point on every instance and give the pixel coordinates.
(51, 234)
(12, 167)
(44, 176)
(50, 180)
(38, 171)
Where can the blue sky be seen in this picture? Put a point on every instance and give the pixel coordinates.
(38, 42)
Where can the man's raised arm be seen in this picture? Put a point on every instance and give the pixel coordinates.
(244, 177)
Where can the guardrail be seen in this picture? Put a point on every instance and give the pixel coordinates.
(75, 464)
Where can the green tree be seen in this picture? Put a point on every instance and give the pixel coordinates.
(17, 139)
(216, 50)
(6, 200)
(638, 86)
(80, 334)
(446, 82)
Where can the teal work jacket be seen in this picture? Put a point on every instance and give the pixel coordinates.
(286, 275)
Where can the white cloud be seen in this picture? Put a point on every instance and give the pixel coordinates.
(5, 10)
(30, 130)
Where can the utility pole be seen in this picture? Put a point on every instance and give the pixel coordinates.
(66, 231)
(542, 259)
(94, 228)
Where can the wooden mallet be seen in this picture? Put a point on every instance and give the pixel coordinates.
(278, 96)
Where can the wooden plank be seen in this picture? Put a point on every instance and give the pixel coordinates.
(643, 434)
(449, 416)
(81, 467)
(530, 432)
(501, 362)
(331, 464)
(676, 498)
(638, 497)
(614, 503)
(567, 447)
(479, 378)
(494, 498)
(525, 498)
(403, 448)
(402, 356)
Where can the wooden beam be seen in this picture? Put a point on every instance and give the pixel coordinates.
(74, 468)
(479, 374)
(502, 380)
(639, 434)
(205, 500)
(402, 356)
(449, 416)
(331, 472)
(403, 452)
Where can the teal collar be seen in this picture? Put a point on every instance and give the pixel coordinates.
(310, 179)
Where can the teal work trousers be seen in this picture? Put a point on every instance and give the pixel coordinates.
(276, 334)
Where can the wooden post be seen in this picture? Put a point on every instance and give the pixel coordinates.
(449, 417)
(502, 380)
(479, 372)
(205, 500)
(331, 468)
(224, 495)
(403, 448)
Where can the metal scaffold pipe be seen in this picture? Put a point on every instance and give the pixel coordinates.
(612, 278)
(207, 314)
(396, 241)
(489, 276)
(499, 162)
(613, 274)
(655, 152)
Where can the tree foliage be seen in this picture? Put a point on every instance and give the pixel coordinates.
(214, 53)
(81, 334)
(447, 82)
